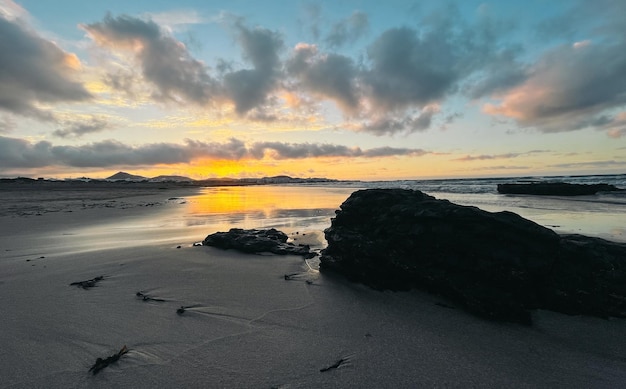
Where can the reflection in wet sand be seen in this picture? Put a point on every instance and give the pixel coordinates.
(289, 208)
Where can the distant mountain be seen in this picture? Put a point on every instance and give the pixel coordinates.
(123, 176)
(171, 179)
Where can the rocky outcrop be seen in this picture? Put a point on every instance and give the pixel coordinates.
(498, 265)
(555, 189)
(257, 241)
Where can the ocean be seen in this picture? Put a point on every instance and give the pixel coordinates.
(304, 211)
(309, 207)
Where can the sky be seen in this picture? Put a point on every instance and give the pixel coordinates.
(368, 90)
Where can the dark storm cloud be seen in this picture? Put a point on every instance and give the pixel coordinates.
(34, 70)
(248, 88)
(19, 153)
(348, 30)
(332, 76)
(164, 61)
(77, 129)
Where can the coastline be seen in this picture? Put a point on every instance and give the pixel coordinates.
(244, 324)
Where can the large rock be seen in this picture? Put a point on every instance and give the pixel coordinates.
(555, 189)
(498, 265)
(256, 241)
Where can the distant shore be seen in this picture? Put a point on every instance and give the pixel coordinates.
(22, 198)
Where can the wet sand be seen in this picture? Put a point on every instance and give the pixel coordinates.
(243, 324)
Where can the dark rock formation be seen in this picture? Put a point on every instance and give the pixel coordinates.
(497, 265)
(555, 189)
(256, 241)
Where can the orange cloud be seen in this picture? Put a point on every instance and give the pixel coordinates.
(520, 103)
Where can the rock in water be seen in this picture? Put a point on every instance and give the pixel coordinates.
(256, 241)
(555, 189)
(498, 265)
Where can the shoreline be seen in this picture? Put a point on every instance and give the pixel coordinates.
(46, 197)
(245, 324)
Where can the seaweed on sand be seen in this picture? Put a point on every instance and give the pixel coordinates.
(87, 283)
(102, 363)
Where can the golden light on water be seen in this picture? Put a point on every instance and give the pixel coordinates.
(266, 199)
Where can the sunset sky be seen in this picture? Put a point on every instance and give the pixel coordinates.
(365, 90)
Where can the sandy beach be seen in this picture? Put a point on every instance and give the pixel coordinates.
(243, 325)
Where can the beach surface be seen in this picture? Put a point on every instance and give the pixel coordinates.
(242, 323)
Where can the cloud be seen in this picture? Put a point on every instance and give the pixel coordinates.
(121, 81)
(20, 153)
(483, 157)
(583, 18)
(393, 152)
(504, 167)
(165, 62)
(7, 124)
(331, 76)
(248, 88)
(35, 71)
(348, 30)
(176, 19)
(407, 69)
(177, 76)
(312, 13)
(617, 133)
(591, 164)
(569, 88)
(577, 84)
(503, 72)
(76, 129)
(279, 150)
(616, 126)
(414, 68)
(388, 124)
(10, 10)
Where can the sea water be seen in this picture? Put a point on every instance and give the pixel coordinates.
(310, 207)
(304, 211)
